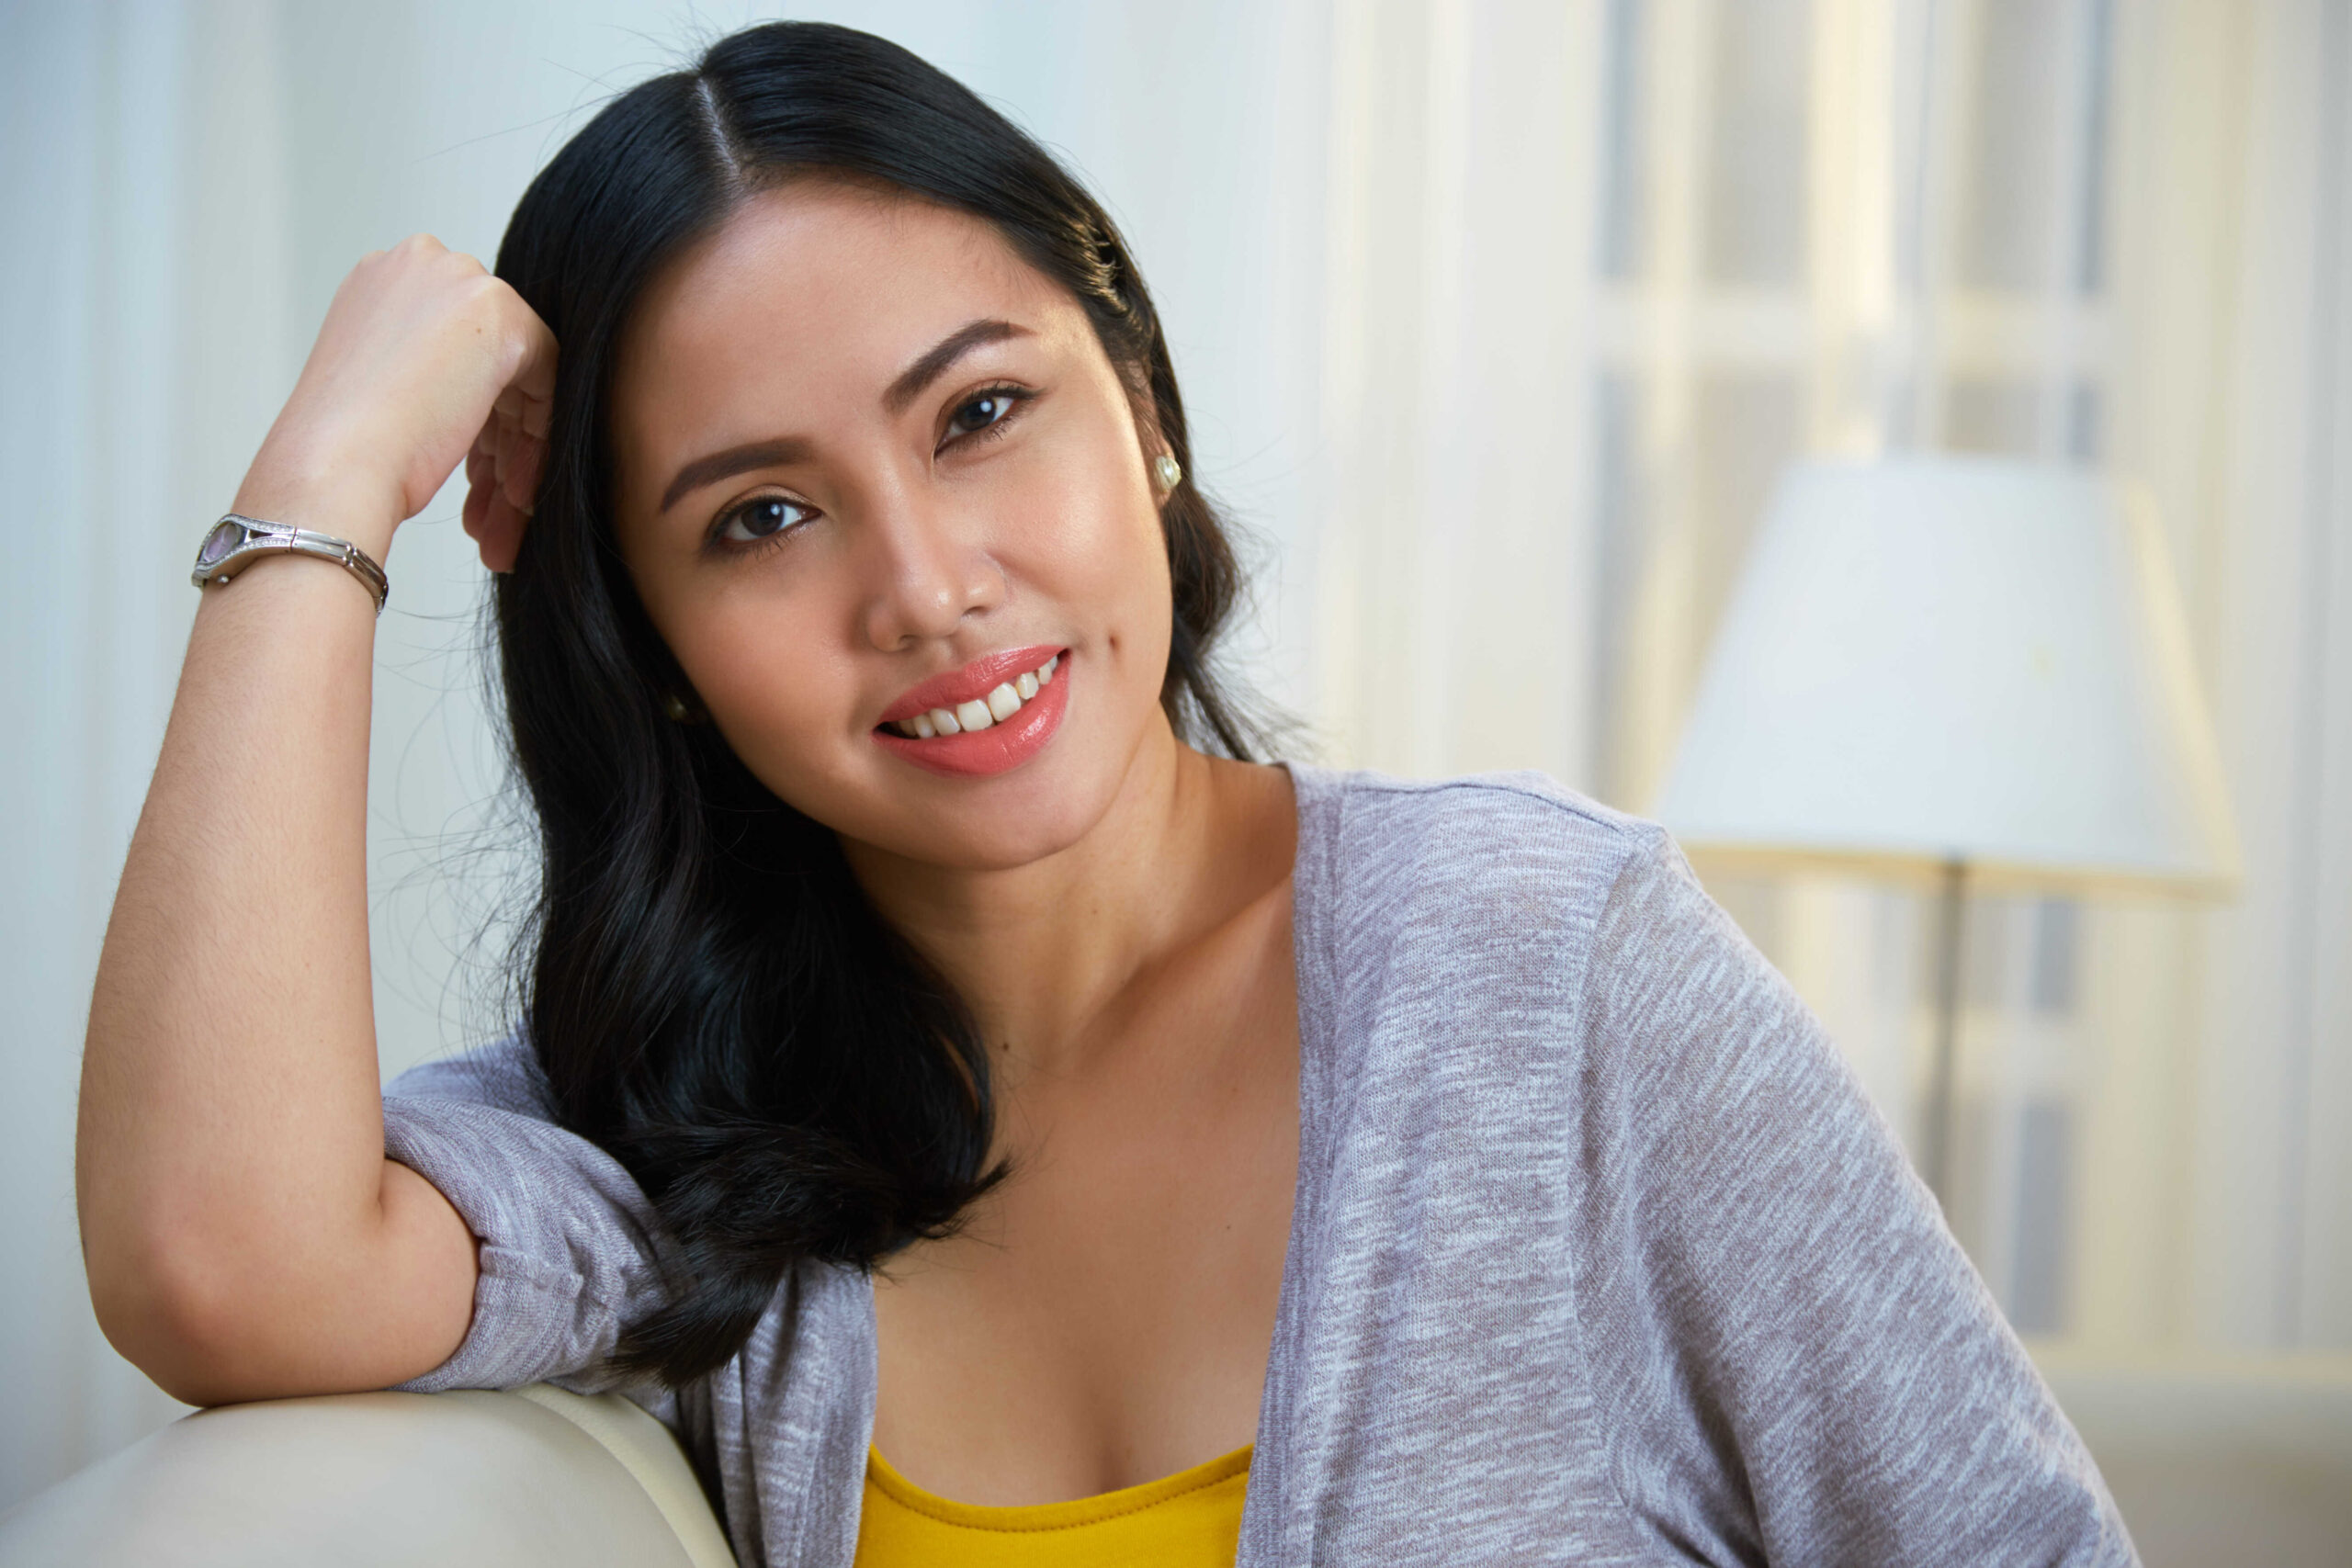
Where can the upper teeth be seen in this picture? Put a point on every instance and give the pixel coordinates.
(982, 712)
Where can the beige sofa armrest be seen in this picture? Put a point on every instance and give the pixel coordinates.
(535, 1477)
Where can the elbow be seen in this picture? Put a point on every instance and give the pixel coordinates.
(180, 1319)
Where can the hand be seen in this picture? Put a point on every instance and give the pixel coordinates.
(425, 358)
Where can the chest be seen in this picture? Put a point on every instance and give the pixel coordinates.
(1104, 1317)
(1428, 1403)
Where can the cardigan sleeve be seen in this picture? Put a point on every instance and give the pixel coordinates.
(1800, 1365)
(569, 1246)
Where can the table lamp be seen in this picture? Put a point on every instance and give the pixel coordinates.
(1966, 672)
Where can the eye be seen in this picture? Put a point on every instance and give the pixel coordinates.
(988, 408)
(761, 518)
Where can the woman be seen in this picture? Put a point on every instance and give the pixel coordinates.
(985, 1116)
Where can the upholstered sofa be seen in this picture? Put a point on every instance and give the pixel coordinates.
(517, 1479)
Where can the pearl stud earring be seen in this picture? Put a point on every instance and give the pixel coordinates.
(1167, 471)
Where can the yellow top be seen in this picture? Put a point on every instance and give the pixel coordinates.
(1190, 1519)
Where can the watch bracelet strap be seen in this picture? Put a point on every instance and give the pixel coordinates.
(261, 536)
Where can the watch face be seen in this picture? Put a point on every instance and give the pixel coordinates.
(224, 537)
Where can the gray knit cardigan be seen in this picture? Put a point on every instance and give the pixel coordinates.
(1598, 1255)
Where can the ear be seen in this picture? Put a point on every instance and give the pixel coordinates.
(1145, 410)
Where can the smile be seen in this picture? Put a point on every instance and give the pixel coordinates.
(986, 718)
(981, 713)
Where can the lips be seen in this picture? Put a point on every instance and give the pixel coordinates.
(971, 683)
(1030, 712)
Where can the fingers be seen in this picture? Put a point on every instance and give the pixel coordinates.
(514, 447)
(494, 521)
(476, 507)
(517, 455)
(532, 346)
(502, 472)
(521, 485)
(501, 539)
(424, 359)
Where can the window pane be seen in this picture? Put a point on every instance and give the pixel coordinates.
(2090, 214)
(2001, 418)
(2085, 422)
(2009, 202)
(2034, 189)
(2045, 1168)
(2055, 946)
(1617, 526)
(1623, 211)
(1757, 170)
(2004, 418)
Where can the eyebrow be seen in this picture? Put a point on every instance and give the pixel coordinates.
(909, 386)
(734, 460)
(934, 365)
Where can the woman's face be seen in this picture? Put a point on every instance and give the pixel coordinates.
(871, 464)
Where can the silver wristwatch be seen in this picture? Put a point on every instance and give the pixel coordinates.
(235, 543)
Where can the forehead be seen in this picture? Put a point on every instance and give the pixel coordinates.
(810, 294)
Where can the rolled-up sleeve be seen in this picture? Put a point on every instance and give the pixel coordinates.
(569, 1246)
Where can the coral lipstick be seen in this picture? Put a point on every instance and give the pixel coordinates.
(986, 718)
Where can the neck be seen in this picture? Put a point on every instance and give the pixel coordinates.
(1043, 953)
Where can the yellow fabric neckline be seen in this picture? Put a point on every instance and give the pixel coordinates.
(1071, 1515)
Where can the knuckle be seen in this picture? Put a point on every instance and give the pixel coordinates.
(486, 301)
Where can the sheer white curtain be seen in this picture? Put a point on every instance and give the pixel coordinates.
(1620, 263)
(1494, 320)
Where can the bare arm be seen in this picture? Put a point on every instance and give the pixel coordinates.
(245, 1236)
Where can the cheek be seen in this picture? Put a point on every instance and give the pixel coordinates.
(1135, 591)
(1090, 537)
(772, 685)
(1100, 561)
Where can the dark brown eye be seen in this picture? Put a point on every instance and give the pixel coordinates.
(979, 412)
(762, 517)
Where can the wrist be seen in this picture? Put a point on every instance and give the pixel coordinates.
(238, 542)
(323, 502)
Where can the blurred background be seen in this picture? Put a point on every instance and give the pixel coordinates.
(1497, 322)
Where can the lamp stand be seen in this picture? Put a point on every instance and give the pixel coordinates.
(1952, 908)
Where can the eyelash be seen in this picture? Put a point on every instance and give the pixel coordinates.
(1017, 396)
(728, 519)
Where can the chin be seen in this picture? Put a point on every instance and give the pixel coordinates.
(996, 823)
(999, 824)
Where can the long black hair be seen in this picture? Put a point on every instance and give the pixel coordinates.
(708, 993)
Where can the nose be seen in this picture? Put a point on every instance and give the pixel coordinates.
(929, 569)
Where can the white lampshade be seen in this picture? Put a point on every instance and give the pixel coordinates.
(1931, 662)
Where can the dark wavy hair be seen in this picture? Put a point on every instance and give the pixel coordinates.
(709, 992)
